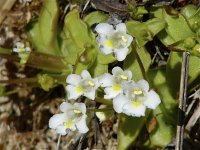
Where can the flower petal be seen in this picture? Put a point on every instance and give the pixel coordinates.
(104, 28)
(96, 82)
(61, 130)
(116, 70)
(130, 39)
(111, 93)
(121, 27)
(132, 110)
(73, 79)
(65, 107)
(56, 120)
(144, 85)
(153, 100)
(72, 92)
(129, 74)
(19, 45)
(81, 107)
(121, 54)
(90, 94)
(101, 40)
(106, 80)
(27, 49)
(16, 50)
(85, 74)
(81, 125)
(106, 50)
(119, 102)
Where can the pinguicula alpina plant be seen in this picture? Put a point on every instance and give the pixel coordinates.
(109, 67)
(129, 97)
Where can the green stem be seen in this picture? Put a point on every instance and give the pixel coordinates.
(139, 62)
(15, 91)
(17, 81)
(100, 110)
(103, 101)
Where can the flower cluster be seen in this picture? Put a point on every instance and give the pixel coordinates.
(113, 40)
(129, 97)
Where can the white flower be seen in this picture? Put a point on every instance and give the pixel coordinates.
(81, 85)
(113, 40)
(73, 118)
(20, 47)
(136, 99)
(114, 83)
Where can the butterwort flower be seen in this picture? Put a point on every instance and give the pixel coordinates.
(20, 47)
(136, 99)
(72, 118)
(113, 40)
(80, 85)
(23, 52)
(114, 83)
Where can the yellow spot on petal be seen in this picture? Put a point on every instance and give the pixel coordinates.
(124, 77)
(69, 124)
(138, 91)
(124, 39)
(79, 89)
(76, 111)
(116, 88)
(136, 103)
(22, 49)
(91, 83)
(109, 43)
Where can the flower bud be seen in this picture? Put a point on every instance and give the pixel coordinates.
(45, 81)
(189, 43)
(196, 48)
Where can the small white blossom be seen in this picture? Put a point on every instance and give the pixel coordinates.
(136, 99)
(112, 40)
(82, 84)
(20, 47)
(73, 118)
(114, 83)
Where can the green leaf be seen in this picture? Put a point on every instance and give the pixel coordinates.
(192, 14)
(70, 50)
(177, 29)
(128, 130)
(43, 33)
(163, 134)
(155, 25)
(131, 62)
(137, 12)
(144, 32)
(105, 59)
(86, 60)
(95, 17)
(189, 10)
(174, 69)
(51, 63)
(165, 113)
(79, 45)
(98, 69)
(77, 29)
(158, 79)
